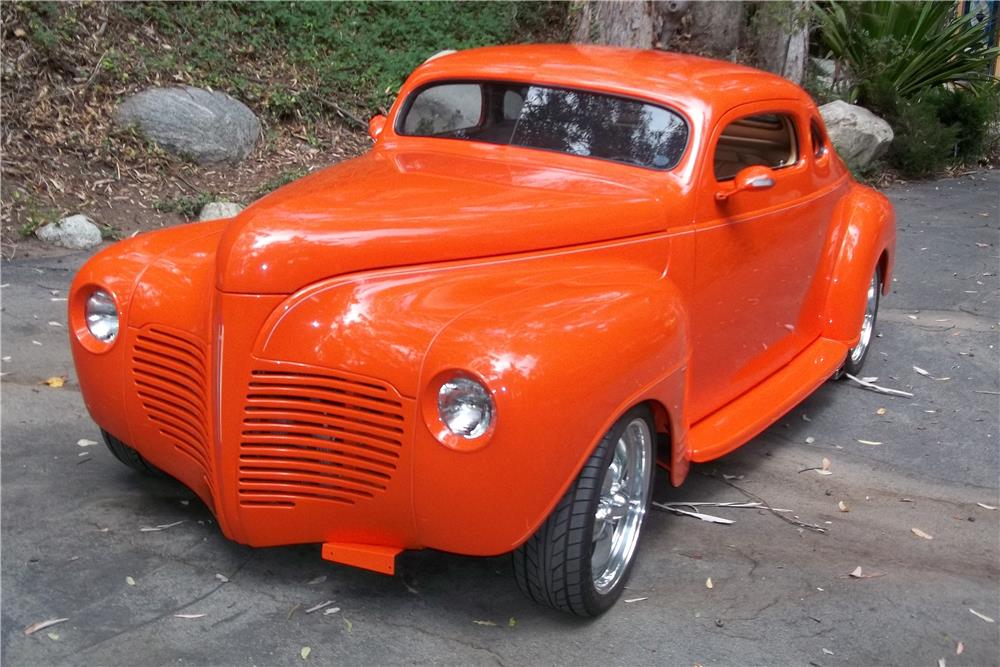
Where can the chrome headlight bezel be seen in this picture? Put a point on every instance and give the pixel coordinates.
(465, 407)
(101, 315)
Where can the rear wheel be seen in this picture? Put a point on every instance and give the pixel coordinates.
(129, 456)
(856, 355)
(580, 558)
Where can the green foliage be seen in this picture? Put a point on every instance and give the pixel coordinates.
(284, 178)
(285, 58)
(909, 47)
(924, 70)
(186, 205)
(922, 145)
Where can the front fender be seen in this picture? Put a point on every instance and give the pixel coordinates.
(562, 361)
(864, 237)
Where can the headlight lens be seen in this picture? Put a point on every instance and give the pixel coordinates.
(102, 316)
(465, 407)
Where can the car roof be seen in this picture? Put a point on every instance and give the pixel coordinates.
(687, 81)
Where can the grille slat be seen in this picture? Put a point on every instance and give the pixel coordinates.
(170, 378)
(318, 435)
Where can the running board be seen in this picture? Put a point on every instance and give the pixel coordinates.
(726, 429)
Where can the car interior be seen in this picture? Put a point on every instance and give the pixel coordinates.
(767, 140)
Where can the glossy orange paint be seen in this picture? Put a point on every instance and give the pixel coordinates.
(284, 364)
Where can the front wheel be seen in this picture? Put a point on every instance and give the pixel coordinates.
(579, 559)
(130, 457)
(856, 355)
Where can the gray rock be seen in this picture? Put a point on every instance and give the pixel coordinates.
(858, 135)
(219, 209)
(77, 232)
(204, 126)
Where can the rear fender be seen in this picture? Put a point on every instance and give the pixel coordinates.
(864, 237)
(563, 362)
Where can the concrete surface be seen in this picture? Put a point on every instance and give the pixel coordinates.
(781, 596)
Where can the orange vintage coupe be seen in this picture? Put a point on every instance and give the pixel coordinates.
(556, 268)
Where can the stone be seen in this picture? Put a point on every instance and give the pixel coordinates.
(218, 209)
(859, 136)
(76, 231)
(204, 126)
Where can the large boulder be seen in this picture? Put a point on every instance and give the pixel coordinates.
(858, 135)
(204, 126)
(218, 209)
(77, 232)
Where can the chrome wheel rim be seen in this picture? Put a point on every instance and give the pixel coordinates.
(868, 325)
(622, 505)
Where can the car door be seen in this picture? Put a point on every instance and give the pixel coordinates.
(756, 254)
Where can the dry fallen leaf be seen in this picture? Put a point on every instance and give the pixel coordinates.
(825, 465)
(317, 607)
(974, 612)
(223, 578)
(986, 507)
(857, 573)
(941, 662)
(305, 652)
(189, 615)
(920, 533)
(630, 600)
(511, 622)
(921, 371)
(318, 580)
(56, 381)
(880, 411)
(331, 610)
(827, 651)
(810, 440)
(870, 442)
(41, 625)
(53, 636)
(842, 506)
(708, 583)
(130, 581)
(960, 648)
(487, 623)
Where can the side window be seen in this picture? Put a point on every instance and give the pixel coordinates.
(444, 109)
(766, 139)
(818, 143)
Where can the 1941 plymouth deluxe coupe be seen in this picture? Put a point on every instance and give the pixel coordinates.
(556, 268)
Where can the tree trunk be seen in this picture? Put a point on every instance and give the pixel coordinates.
(771, 35)
(615, 23)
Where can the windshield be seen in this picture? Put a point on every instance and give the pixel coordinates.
(569, 121)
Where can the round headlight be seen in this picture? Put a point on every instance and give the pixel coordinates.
(465, 407)
(102, 316)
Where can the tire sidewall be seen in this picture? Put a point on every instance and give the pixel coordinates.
(596, 602)
(850, 366)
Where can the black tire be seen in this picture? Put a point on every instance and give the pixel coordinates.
(130, 456)
(857, 355)
(553, 567)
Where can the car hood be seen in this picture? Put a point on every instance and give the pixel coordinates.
(393, 208)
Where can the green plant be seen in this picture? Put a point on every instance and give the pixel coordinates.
(972, 115)
(923, 145)
(284, 178)
(186, 205)
(909, 47)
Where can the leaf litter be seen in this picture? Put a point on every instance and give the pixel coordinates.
(921, 534)
(879, 389)
(974, 613)
(41, 625)
(317, 607)
(162, 526)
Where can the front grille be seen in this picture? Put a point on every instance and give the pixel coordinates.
(169, 371)
(310, 433)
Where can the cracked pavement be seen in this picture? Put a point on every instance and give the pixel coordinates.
(781, 596)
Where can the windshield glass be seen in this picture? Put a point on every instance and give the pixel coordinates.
(558, 119)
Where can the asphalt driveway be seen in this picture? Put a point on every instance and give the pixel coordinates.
(72, 544)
